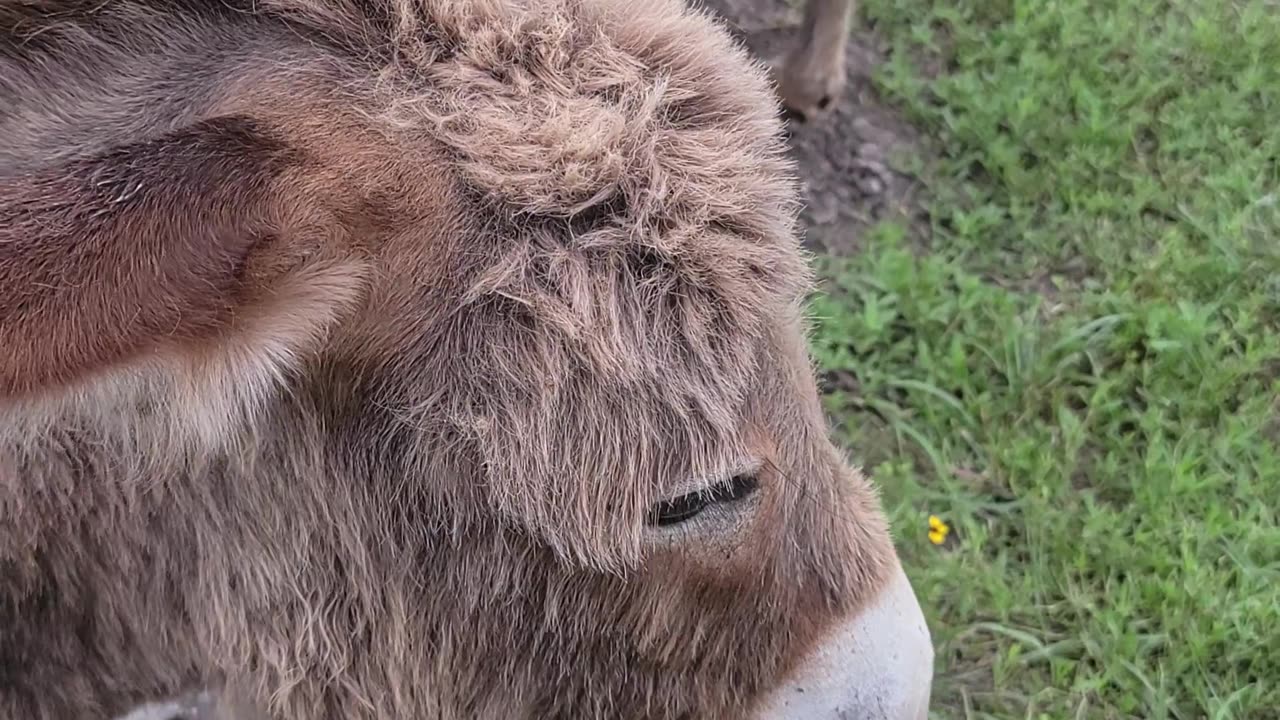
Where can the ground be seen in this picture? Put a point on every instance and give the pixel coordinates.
(1050, 317)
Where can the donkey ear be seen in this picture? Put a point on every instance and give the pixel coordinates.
(142, 246)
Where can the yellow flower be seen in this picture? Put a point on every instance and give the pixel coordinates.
(938, 530)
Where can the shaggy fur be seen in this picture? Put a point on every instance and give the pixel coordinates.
(348, 343)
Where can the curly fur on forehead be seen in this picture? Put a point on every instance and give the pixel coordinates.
(602, 115)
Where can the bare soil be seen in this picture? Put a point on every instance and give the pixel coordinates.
(844, 155)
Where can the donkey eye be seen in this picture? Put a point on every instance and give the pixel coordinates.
(678, 510)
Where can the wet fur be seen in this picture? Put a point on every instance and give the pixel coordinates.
(346, 345)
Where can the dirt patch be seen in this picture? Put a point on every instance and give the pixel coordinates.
(843, 156)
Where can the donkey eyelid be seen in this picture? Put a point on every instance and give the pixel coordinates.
(695, 485)
(678, 510)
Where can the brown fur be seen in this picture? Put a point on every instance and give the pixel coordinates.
(348, 344)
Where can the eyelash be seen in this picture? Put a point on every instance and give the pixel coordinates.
(678, 510)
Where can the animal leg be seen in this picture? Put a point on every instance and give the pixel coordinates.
(812, 75)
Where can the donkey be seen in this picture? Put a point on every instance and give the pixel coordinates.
(418, 359)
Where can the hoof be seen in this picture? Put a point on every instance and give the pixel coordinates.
(807, 88)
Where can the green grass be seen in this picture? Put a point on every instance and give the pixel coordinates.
(1077, 363)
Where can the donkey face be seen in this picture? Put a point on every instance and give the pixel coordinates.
(421, 360)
